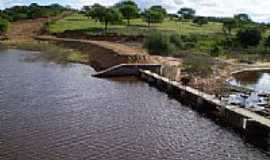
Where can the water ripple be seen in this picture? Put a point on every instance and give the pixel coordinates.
(52, 112)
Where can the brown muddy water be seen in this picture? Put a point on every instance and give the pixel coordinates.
(49, 111)
(258, 81)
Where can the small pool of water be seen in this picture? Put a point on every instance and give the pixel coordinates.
(258, 81)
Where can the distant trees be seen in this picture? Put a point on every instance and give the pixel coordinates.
(155, 14)
(103, 14)
(187, 13)
(32, 11)
(200, 21)
(129, 10)
(249, 37)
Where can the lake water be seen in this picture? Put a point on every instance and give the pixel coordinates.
(255, 80)
(49, 111)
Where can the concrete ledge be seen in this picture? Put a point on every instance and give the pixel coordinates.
(251, 69)
(250, 123)
(127, 70)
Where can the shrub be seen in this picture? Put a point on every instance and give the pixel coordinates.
(190, 38)
(3, 25)
(158, 43)
(215, 51)
(249, 37)
(200, 21)
(177, 40)
(189, 45)
(267, 42)
(198, 65)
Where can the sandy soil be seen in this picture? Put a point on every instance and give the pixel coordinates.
(25, 30)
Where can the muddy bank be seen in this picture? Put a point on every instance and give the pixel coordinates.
(103, 54)
(77, 34)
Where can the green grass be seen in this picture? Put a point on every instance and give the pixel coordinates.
(53, 52)
(138, 26)
(207, 36)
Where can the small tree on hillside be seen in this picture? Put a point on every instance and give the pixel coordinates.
(111, 16)
(249, 37)
(97, 12)
(242, 17)
(3, 26)
(156, 14)
(86, 10)
(129, 9)
(187, 13)
(228, 25)
(200, 21)
(267, 42)
(159, 9)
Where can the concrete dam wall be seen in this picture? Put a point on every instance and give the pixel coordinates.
(127, 70)
(249, 123)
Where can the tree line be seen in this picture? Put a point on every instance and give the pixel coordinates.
(32, 11)
(249, 33)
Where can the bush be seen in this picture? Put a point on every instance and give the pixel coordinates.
(198, 65)
(215, 51)
(200, 21)
(177, 40)
(249, 37)
(3, 25)
(190, 38)
(189, 45)
(267, 42)
(158, 43)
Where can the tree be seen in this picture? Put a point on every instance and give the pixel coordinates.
(32, 11)
(129, 9)
(187, 13)
(155, 14)
(106, 15)
(267, 42)
(111, 16)
(3, 25)
(242, 17)
(86, 10)
(159, 9)
(228, 25)
(249, 37)
(97, 12)
(200, 21)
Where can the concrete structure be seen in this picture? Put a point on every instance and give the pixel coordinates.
(128, 70)
(251, 124)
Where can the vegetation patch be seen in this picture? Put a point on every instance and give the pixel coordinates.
(198, 65)
(3, 25)
(159, 43)
(52, 52)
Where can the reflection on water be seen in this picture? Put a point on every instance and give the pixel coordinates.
(55, 112)
(256, 80)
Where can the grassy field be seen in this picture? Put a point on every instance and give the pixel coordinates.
(207, 36)
(138, 26)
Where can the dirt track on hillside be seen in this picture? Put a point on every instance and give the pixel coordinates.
(25, 29)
